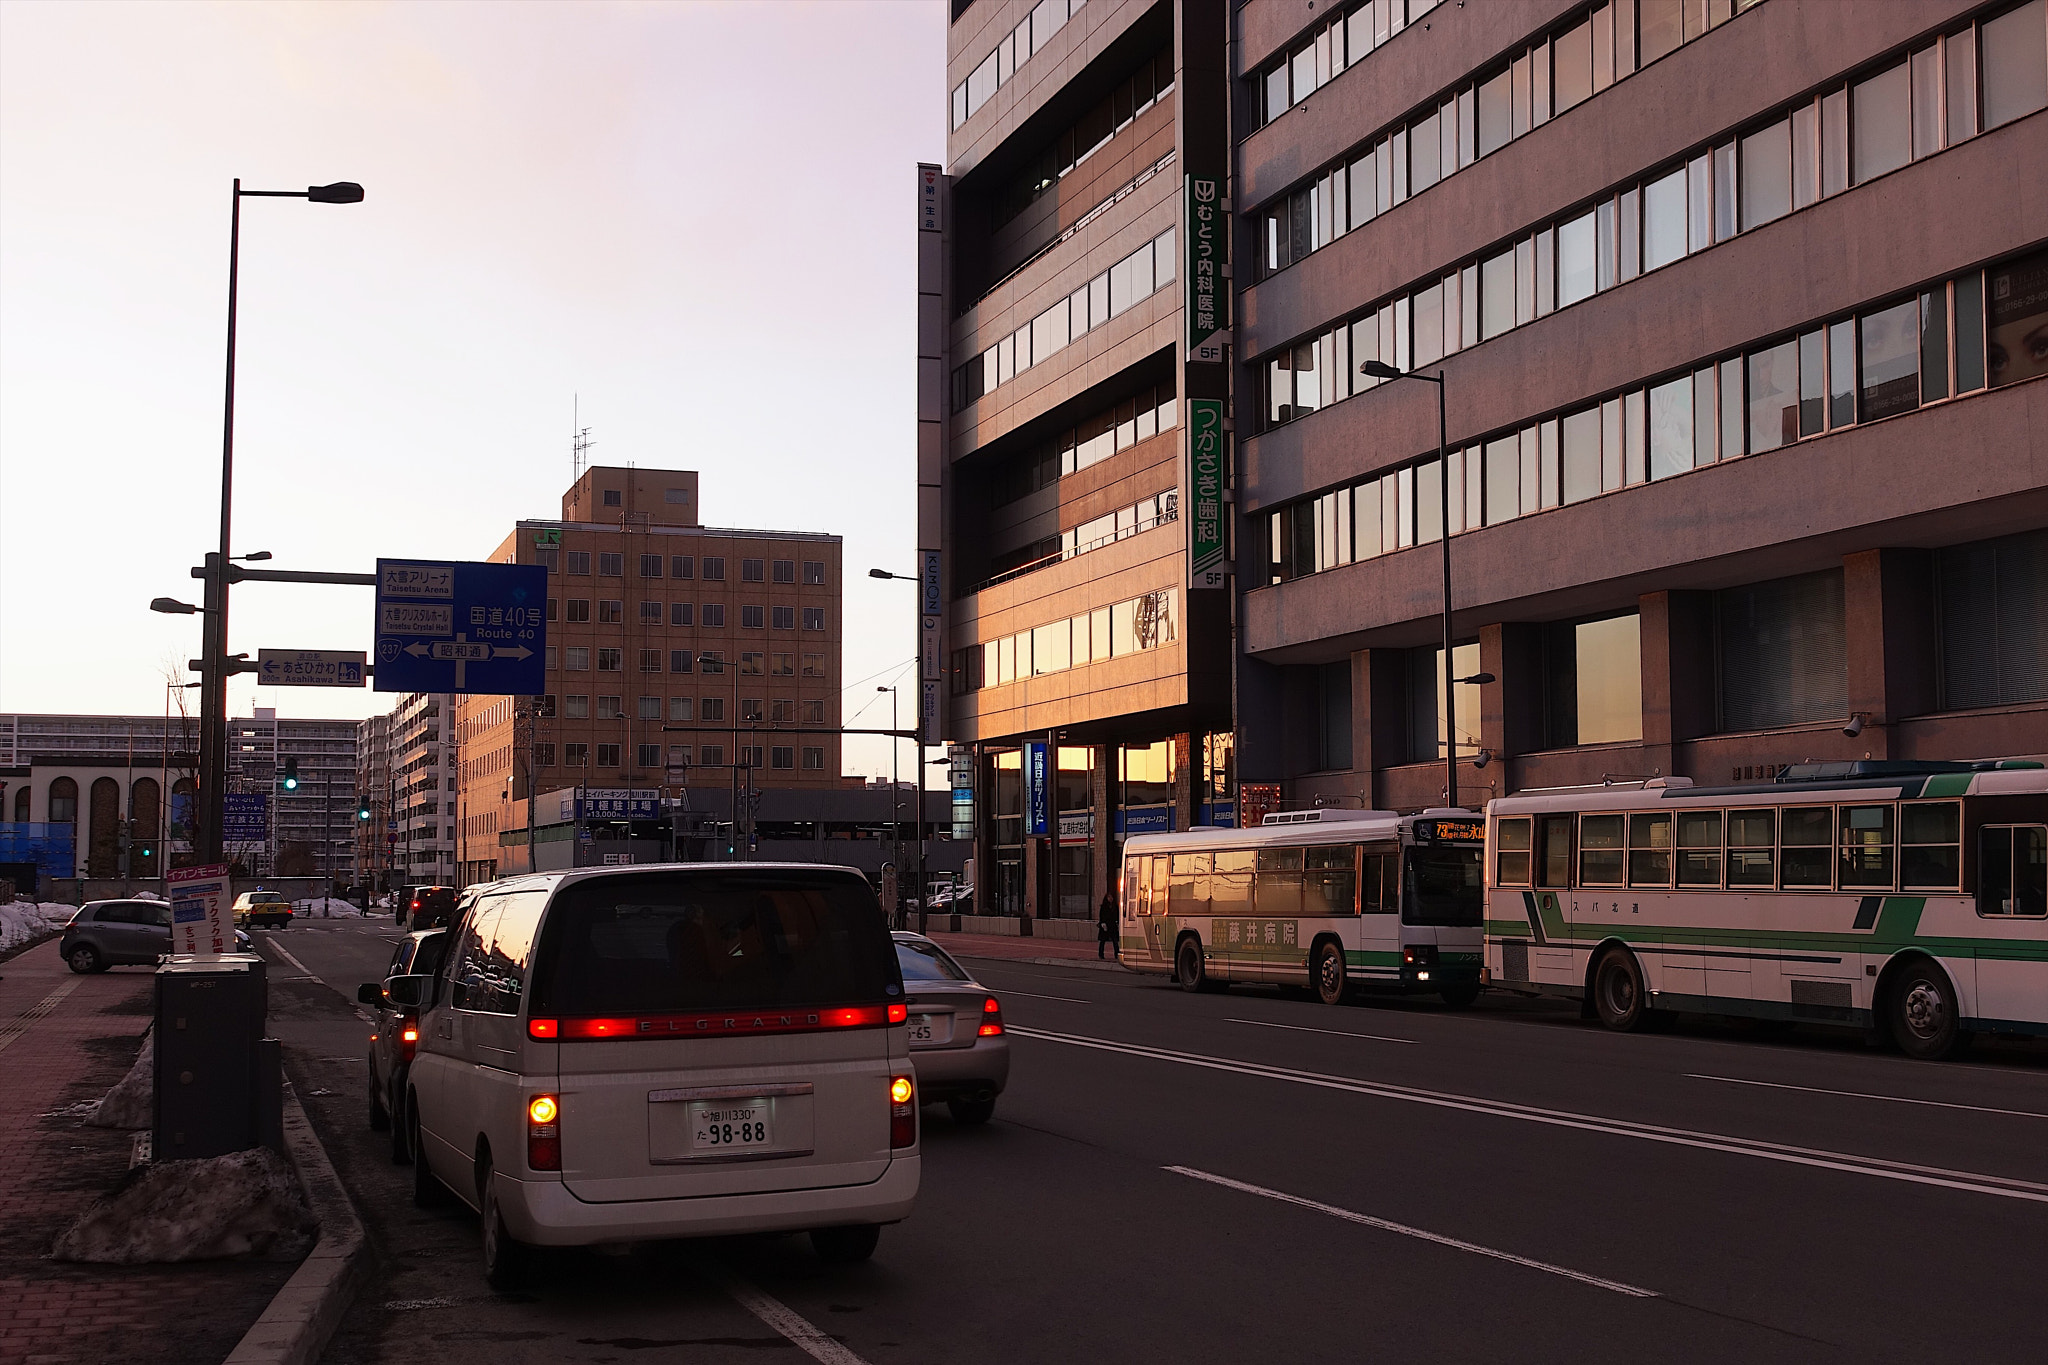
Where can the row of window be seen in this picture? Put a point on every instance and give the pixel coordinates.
(779, 756)
(1093, 439)
(577, 659)
(793, 710)
(1855, 132)
(1016, 47)
(612, 564)
(1599, 46)
(1874, 364)
(1130, 281)
(1157, 510)
(1150, 83)
(577, 611)
(1326, 52)
(1110, 632)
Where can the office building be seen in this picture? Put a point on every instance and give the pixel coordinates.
(1738, 308)
(1071, 372)
(312, 828)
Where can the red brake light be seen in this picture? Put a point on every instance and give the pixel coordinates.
(714, 1025)
(898, 1013)
(408, 1039)
(991, 1018)
(540, 1028)
(902, 1112)
(544, 1133)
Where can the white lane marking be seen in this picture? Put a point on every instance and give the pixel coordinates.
(37, 1011)
(1867, 1095)
(1969, 1181)
(800, 1331)
(1334, 1032)
(1404, 1230)
(1071, 1000)
(287, 953)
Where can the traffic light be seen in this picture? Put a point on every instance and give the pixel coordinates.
(363, 811)
(291, 774)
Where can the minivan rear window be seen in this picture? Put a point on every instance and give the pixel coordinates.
(679, 941)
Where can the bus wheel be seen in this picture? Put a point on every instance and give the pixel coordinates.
(1924, 1018)
(1188, 968)
(1460, 996)
(1618, 994)
(1332, 981)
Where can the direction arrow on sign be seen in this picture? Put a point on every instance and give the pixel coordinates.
(460, 627)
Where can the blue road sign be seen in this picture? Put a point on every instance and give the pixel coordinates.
(461, 627)
(245, 817)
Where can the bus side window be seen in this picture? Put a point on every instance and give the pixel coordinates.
(1511, 852)
(1330, 880)
(1806, 842)
(1752, 848)
(1370, 869)
(1159, 884)
(1554, 833)
(1135, 891)
(1188, 891)
(1931, 846)
(2012, 870)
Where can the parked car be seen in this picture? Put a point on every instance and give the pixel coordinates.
(427, 907)
(262, 910)
(397, 1035)
(122, 933)
(955, 1030)
(635, 1054)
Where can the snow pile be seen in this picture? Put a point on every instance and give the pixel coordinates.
(26, 921)
(129, 1103)
(145, 896)
(325, 908)
(235, 1205)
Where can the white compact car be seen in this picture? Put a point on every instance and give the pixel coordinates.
(644, 1053)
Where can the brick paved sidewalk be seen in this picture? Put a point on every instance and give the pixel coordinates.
(79, 1036)
(1011, 949)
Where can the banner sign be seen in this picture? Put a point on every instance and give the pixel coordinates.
(310, 667)
(1205, 292)
(1256, 800)
(600, 803)
(245, 817)
(1037, 789)
(200, 918)
(1205, 473)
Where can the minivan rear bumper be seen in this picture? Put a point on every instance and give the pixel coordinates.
(544, 1213)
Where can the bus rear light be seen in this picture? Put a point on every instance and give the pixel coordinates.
(544, 1133)
(902, 1112)
(991, 1019)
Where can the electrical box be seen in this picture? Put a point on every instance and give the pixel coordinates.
(213, 1083)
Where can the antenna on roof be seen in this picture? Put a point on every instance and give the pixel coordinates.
(579, 439)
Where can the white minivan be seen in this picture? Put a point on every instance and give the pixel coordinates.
(632, 1054)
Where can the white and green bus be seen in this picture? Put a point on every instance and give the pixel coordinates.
(1906, 898)
(1330, 900)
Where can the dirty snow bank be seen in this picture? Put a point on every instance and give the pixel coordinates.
(129, 1103)
(244, 1203)
(23, 922)
(325, 908)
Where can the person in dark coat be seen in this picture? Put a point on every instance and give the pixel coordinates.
(1105, 926)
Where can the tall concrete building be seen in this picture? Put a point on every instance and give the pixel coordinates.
(1738, 307)
(422, 786)
(312, 830)
(676, 652)
(376, 840)
(1072, 328)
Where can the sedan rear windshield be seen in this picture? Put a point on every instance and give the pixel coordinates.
(680, 941)
(1443, 887)
(927, 962)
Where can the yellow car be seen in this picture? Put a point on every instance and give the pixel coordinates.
(262, 910)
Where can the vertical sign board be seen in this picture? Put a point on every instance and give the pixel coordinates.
(245, 817)
(461, 627)
(1206, 294)
(1205, 483)
(200, 916)
(1037, 790)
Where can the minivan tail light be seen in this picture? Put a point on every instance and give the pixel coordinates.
(408, 1039)
(721, 1024)
(991, 1018)
(543, 1133)
(541, 1028)
(902, 1112)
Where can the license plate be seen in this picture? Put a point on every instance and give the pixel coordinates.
(726, 1126)
(921, 1029)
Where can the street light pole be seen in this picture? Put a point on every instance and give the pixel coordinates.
(918, 878)
(895, 800)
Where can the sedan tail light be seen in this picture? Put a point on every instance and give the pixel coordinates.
(902, 1112)
(543, 1133)
(991, 1019)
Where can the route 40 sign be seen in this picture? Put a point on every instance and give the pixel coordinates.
(461, 627)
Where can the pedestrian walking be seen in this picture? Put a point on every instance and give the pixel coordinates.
(1105, 926)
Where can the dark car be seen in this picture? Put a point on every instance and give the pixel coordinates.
(956, 1031)
(427, 907)
(398, 1032)
(127, 933)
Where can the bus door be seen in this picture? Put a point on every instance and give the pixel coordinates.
(1379, 904)
(1551, 959)
(1186, 896)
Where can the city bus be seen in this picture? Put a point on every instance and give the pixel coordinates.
(1330, 900)
(1903, 898)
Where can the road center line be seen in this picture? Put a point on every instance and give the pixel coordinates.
(287, 953)
(1384, 1225)
(1333, 1032)
(1028, 995)
(1868, 1095)
(800, 1331)
(1969, 1181)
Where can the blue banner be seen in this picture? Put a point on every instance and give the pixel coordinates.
(1144, 820)
(245, 817)
(1037, 790)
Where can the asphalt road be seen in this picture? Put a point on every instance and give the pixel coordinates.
(1250, 1176)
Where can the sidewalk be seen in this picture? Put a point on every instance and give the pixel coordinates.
(1059, 952)
(65, 1039)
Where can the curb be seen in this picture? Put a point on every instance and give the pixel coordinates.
(295, 1328)
(1084, 963)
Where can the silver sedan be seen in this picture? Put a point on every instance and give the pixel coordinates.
(956, 1031)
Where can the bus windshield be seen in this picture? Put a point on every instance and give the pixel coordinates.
(1443, 886)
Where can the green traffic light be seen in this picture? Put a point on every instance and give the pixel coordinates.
(291, 774)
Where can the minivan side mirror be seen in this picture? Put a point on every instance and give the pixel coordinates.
(410, 992)
(370, 993)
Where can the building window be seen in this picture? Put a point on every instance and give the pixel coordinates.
(782, 756)
(712, 756)
(650, 613)
(650, 566)
(577, 610)
(648, 756)
(682, 566)
(1782, 652)
(782, 710)
(650, 661)
(610, 613)
(785, 571)
(611, 565)
(814, 665)
(678, 755)
(611, 497)
(545, 708)
(611, 708)
(814, 572)
(576, 706)
(714, 568)
(750, 709)
(575, 755)
(63, 802)
(750, 570)
(751, 618)
(607, 755)
(713, 661)
(782, 665)
(750, 755)
(610, 661)
(814, 618)
(554, 608)
(785, 618)
(711, 708)
(679, 708)
(650, 708)
(714, 615)
(813, 712)
(679, 661)
(548, 558)
(1593, 681)
(576, 658)
(680, 614)
(814, 758)
(1992, 623)
(579, 562)
(751, 661)
(1425, 702)
(543, 755)
(550, 658)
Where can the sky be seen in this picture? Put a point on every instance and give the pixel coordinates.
(691, 223)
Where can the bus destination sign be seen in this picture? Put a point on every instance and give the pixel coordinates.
(1450, 831)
